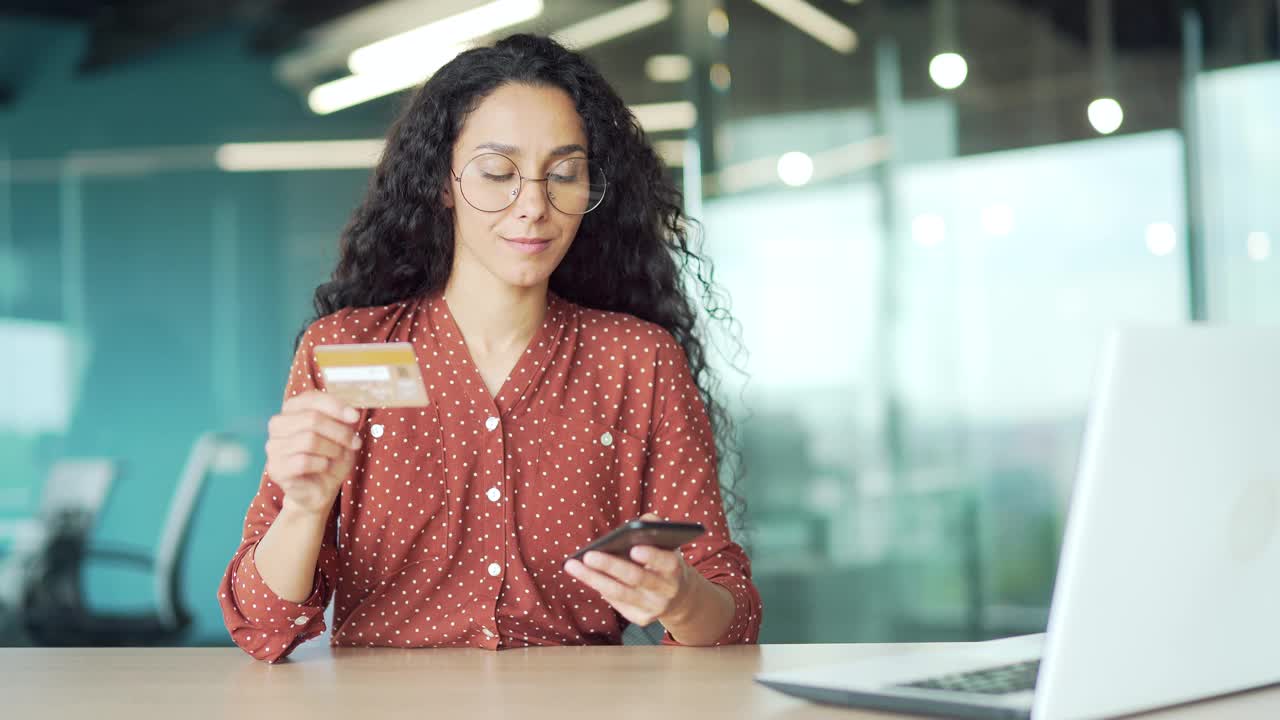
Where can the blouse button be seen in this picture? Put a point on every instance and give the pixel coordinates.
(300, 620)
(606, 439)
(495, 569)
(491, 423)
(494, 494)
(376, 431)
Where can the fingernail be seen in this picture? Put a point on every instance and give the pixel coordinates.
(351, 415)
(356, 442)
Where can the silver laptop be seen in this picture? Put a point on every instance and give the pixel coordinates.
(1168, 587)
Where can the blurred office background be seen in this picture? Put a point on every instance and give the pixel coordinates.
(927, 214)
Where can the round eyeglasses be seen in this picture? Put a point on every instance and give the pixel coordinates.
(492, 182)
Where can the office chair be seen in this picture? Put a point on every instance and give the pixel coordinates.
(650, 634)
(74, 492)
(55, 609)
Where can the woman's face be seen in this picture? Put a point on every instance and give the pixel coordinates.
(537, 128)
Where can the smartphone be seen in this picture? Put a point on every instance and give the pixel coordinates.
(657, 533)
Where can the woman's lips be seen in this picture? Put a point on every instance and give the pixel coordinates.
(529, 246)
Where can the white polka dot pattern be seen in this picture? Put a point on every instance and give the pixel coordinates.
(455, 523)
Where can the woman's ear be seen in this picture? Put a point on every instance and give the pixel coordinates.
(446, 196)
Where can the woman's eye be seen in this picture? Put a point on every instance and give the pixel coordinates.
(497, 178)
(563, 178)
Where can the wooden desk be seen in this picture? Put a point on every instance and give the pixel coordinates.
(616, 683)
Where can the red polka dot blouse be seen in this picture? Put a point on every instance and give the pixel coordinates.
(455, 524)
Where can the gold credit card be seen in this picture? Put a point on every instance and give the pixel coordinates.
(372, 375)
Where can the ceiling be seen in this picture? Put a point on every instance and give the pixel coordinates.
(1015, 48)
(125, 29)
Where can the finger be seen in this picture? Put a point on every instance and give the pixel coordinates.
(340, 469)
(302, 464)
(327, 480)
(628, 573)
(307, 443)
(304, 421)
(637, 616)
(314, 443)
(296, 485)
(663, 562)
(609, 588)
(322, 402)
(301, 469)
(650, 516)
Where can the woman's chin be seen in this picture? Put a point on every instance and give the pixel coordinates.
(526, 277)
(531, 271)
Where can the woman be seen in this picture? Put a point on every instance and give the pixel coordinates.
(520, 233)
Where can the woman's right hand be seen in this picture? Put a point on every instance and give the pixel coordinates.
(311, 448)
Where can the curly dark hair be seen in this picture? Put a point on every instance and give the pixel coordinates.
(629, 255)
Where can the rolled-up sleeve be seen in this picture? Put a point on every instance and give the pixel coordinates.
(682, 482)
(262, 623)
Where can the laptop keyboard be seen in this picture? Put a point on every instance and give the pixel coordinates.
(1001, 680)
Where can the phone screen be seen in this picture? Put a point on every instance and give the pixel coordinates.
(657, 533)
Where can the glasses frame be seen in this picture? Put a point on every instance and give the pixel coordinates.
(520, 188)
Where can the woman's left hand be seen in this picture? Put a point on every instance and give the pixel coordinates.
(652, 584)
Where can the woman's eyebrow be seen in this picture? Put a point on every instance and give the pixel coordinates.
(513, 150)
(499, 147)
(568, 150)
